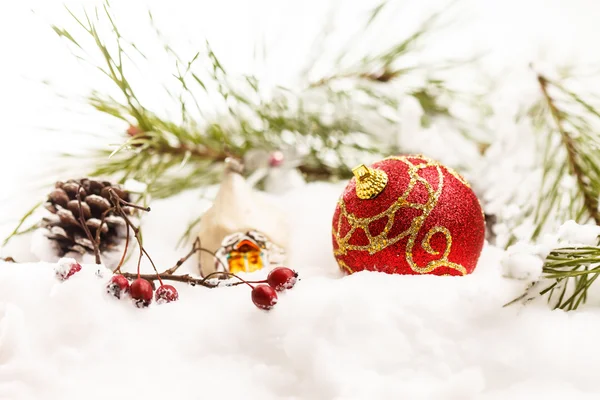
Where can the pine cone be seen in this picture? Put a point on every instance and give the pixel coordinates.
(64, 226)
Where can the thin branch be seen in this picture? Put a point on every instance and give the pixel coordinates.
(206, 282)
(118, 269)
(195, 248)
(589, 199)
(102, 222)
(179, 278)
(16, 231)
(118, 201)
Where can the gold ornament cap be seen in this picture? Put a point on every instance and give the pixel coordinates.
(369, 181)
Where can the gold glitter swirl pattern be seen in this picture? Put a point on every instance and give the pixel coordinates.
(381, 241)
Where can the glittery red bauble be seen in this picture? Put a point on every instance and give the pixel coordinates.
(426, 220)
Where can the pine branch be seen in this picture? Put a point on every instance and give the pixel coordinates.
(568, 122)
(567, 275)
(590, 200)
(18, 231)
(567, 126)
(174, 155)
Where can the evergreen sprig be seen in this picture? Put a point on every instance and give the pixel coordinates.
(174, 154)
(574, 270)
(567, 124)
(567, 274)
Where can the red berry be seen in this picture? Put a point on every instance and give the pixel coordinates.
(141, 291)
(66, 268)
(117, 286)
(166, 294)
(264, 296)
(133, 130)
(74, 268)
(276, 159)
(282, 278)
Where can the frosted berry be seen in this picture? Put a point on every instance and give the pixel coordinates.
(141, 291)
(117, 286)
(133, 130)
(282, 278)
(66, 267)
(276, 159)
(264, 296)
(166, 294)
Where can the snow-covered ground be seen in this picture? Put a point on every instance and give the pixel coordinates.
(367, 336)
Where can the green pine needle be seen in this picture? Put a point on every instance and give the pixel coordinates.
(574, 270)
(18, 231)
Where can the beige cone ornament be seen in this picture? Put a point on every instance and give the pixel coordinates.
(245, 230)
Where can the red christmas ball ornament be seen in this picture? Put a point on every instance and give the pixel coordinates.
(141, 291)
(117, 286)
(166, 294)
(408, 215)
(282, 278)
(264, 296)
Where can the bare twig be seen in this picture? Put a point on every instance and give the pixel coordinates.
(118, 269)
(118, 201)
(178, 278)
(102, 222)
(195, 248)
(206, 282)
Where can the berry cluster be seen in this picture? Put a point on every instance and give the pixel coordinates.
(264, 294)
(141, 291)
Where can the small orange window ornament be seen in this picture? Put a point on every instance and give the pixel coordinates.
(247, 252)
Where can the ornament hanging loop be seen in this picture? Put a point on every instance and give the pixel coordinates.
(369, 182)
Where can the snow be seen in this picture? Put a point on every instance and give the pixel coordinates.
(365, 336)
(368, 335)
(574, 233)
(521, 262)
